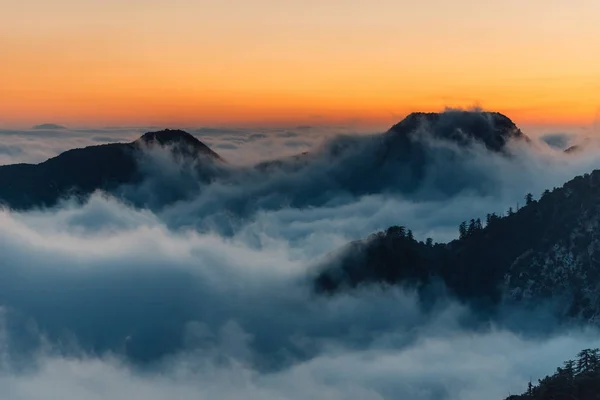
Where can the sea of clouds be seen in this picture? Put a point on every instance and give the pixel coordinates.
(211, 297)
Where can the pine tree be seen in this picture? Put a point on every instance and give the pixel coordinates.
(491, 218)
(528, 199)
(583, 362)
(429, 242)
(478, 225)
(396, 231)
(409, 235)
(594, 360)
(576, 380)
(462, 230)
(569, 369)
(510, 211)
(471, 227)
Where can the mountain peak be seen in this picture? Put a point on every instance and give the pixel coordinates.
(493, 129)
(169, 136)
(182, 140)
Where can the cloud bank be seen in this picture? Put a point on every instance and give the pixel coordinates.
(209, 296)
(240, 146)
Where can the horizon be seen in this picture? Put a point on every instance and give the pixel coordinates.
(532, 129)
(235, 143)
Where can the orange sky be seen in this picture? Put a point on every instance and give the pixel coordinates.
(232, 62)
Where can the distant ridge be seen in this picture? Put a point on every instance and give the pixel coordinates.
(49, 127)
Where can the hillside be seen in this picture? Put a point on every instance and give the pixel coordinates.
(547, 250)
(576, 380)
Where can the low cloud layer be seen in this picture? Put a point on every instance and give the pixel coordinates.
(210, 296)
(240, 146)
(134, 309)
(37, 145)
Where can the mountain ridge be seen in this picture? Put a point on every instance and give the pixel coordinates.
(79, 172)
(548, 250)
(393, 161)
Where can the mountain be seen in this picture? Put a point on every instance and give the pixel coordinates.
(438, 146)
(48, 127)
(80, 172)
(425, 148)
(548, 250)
(492, 129)
(432, 147)
(576, 380)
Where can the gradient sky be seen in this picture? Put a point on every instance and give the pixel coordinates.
(232, 62)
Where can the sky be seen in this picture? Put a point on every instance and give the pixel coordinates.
(353, 62)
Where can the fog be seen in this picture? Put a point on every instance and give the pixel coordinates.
(210, 296)
(240, 146)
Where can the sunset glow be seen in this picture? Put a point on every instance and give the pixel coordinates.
(355, 61)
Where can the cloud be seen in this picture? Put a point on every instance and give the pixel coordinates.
(288, 134)
(253, 145)
(356, 192)
(226, 146)
(560, 141)
(206, 293)
(262, 144)
(442, 363)
(38, 145)
(298, 144)
(257, 136)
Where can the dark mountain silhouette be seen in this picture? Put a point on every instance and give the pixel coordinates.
(80, 172)
(396, 161)
(49, 127)
(576, 380)
(433, 147)
(547, 250)
(415, 146)
(491, 129)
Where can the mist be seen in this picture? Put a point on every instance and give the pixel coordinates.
(209, 295)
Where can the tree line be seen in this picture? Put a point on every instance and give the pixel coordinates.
(467, 229)
(577, 379)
